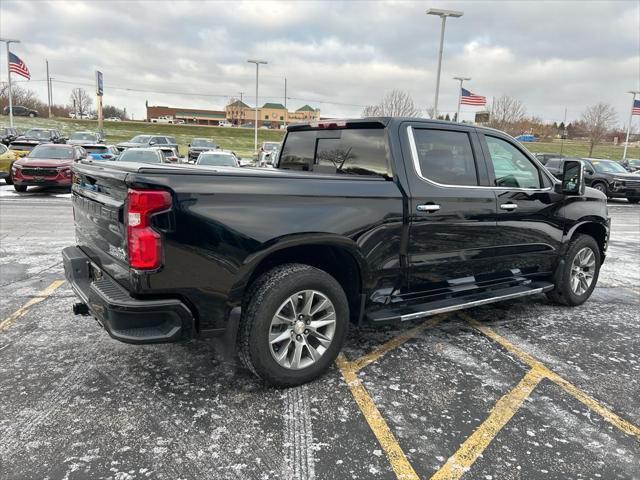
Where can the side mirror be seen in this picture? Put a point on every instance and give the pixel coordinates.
(573, 177)
(152, 142)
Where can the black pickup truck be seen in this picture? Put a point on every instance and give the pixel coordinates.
(376, 220)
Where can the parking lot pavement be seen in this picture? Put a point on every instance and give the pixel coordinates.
(518, 390)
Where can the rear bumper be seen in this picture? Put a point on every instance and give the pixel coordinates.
(125, 318)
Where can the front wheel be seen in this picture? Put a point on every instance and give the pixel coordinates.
(601, 187)
(294, 322)
(20, 188)
(9, 180)
(32, 115)
(579, 273)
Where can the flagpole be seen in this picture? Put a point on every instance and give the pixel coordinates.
(460, 79)
(626, 143)
(7, 41)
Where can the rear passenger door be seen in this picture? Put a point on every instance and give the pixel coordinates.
(530, 228)
(451, 210)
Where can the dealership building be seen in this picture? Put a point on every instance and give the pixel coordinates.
(272, 115)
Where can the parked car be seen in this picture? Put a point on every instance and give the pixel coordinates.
(607, 176)
(376, 220)
(43, 135)
(20, 111)
(48, 164)
(225, 123)
(101, 152)
(170, 154)
(113, 119)
(8, 135)
(7, 157)
(141, 141)
(83, 138)
(199, 145)
(218, 158)
(545, 157)
(142, 155)
(23, 147)
(631, 164)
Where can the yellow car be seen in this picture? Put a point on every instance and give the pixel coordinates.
(7, 157)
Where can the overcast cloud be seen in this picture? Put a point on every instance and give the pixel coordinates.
(550, 55)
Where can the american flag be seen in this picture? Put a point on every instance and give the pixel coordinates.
(470, 98)
(635, 110)
(17, 66)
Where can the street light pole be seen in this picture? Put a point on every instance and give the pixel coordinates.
(626, 143)
(255, 126)
(460, 79)
(442, 14)
(8, 41)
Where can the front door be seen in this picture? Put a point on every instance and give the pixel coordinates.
(529, 224)
(451, 208)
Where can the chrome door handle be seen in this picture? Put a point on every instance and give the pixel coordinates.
(428, 207)
(508, 206)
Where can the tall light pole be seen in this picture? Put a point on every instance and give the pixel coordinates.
(8, 41)
(626, 143)
(255, 126)
(442, 14)
(460, 79)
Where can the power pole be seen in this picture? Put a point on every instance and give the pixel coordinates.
(633, 102)
(286, 112)
(48, 88)
(564, 129)
(7, 41)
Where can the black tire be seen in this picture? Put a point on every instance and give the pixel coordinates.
(601, 187)
(563, 293)
(9, 180)
(633, 199)
(20, 188)
(262, 301)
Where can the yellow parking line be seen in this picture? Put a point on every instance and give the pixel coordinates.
(378, 425)
(480, 439)
(395, 342)
(7, 322)
(624, 425)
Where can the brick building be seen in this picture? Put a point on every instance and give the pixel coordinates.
(194, 116)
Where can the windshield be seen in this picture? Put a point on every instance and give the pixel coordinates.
(96, 149)
(199, 142)
(635, 162)
(270, 146)
(217, 159)
(21, 146)
(36, 133)
(48, 151)
(83, 136)
(142, 156)
(168, 153)
(607, 166)
(140, 139)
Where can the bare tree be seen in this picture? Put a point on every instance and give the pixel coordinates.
(506, 113)
(396, 103)
(80, 102)
(21, 96)
(597, 120)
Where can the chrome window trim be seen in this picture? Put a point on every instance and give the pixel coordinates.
(416, 167)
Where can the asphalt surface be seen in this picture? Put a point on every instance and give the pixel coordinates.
(76, 404)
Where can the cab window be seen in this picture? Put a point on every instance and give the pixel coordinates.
(512, 169)
(445, 157)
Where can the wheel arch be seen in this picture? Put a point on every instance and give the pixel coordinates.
(338, 256)
(596, 229)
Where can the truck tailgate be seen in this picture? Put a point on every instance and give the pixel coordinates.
(98, 196)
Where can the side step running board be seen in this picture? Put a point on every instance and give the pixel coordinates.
(413, 311)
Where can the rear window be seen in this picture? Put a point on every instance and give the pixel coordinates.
(96, 149)
(361, 151)
(143, 156)
(553, 163)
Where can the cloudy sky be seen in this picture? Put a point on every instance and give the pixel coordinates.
(548, 54)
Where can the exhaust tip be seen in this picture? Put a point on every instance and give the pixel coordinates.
(80, 309)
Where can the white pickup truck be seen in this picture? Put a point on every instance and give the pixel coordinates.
(163, 119)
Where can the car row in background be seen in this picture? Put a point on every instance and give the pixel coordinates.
(141, 141)
(607, 176)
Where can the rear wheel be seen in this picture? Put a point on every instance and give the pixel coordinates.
(294, 322)
(579, 273)
(20, 188)
(32, 115)
(601, 187)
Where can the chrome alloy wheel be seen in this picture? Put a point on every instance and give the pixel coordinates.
(583, 268)
(302, 329)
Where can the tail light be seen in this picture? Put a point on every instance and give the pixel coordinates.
(145, 245)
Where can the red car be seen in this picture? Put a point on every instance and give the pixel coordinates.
(48, 165)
